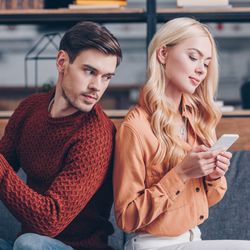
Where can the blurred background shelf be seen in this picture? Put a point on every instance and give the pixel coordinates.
(134, 26)
(209, 14)
(67, 16)
(120, 96)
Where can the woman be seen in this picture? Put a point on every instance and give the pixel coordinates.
(165, 175)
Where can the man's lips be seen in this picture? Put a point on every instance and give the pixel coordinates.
(89, 96)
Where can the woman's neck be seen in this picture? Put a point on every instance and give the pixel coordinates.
(174, 98)
(175, 103)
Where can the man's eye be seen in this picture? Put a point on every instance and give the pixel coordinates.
(107, 78)
(89, 71)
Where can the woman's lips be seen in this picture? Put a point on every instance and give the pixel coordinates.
(194, 81)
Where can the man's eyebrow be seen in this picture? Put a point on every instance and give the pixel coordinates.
(89, 67)
(199, 52)
(109, 74)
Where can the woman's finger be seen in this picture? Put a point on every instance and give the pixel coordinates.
(222, 166)
(223, 159)
(221, 172)
(227, 154)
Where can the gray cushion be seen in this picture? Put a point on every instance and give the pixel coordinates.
(9, 226)
(229, 219)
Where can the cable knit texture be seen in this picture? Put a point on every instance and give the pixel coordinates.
(67, 160)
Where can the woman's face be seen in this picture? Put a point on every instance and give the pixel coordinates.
(186, 65)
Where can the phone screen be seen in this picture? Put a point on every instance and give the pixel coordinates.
(225, 141)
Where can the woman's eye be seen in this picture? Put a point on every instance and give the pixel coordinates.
(193, 58)
(205, 65)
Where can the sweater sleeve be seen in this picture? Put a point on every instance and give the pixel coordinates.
(135, 205)
(9, 141)
(86, 166)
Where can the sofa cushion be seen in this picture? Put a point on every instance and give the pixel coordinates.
(229, 219)
(9, 226)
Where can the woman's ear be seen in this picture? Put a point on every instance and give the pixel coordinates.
(61, 61)
(162, 54)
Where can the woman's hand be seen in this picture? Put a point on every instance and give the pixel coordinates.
(222, 164)
(203, 162)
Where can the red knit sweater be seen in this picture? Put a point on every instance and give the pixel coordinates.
(68, 194)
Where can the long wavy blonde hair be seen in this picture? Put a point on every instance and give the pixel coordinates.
(153, 98)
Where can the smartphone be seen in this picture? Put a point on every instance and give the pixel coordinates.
(225, 141)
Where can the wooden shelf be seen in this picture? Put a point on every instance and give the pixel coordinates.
(227, 14)
(52, 16)
(45, 16)
(236, 122)
(120, 113)
(116, 114)
(237, 113)
(5, 114)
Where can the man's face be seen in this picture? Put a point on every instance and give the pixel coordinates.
(85, 80)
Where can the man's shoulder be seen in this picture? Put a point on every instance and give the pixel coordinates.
(33, 101)
(29, 104)
(97, 123)
(36, 98)
(102, 118)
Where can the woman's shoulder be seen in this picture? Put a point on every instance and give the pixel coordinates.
(136, 115)
(136, 119)
(136, 127)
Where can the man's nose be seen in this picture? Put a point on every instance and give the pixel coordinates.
(95, 83)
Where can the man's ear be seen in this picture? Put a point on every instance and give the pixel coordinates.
(61, 60)
(162, 54)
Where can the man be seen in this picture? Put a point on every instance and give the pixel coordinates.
(64, 142)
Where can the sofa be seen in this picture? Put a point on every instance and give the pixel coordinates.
(229, 219)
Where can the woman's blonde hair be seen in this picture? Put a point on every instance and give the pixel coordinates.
(153, 98)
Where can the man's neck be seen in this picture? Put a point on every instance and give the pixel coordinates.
(59, 106)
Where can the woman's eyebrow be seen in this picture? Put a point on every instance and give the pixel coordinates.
(199, 52)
